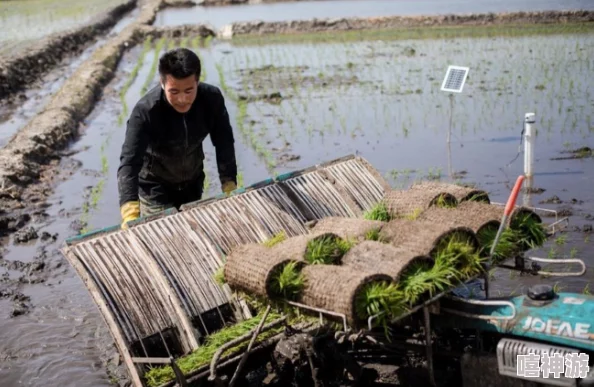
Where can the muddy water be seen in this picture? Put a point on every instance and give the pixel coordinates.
(325, 114)
(63, 339)
(16, 115)
(31, 20)
(303, 10)
(382, 100)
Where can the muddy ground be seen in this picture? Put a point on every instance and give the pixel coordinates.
(22, 71)
(56, 183)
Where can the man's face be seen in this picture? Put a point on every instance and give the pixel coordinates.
(180, 93)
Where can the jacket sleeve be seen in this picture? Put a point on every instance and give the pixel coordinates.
(132, 155)
(223, 140)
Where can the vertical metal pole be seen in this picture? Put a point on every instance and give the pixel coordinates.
(429, 345)
(529, 138)
(529, 142)
(451, 117)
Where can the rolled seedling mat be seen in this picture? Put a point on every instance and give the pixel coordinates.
(335, 289)
(383, 258)
(471, 216)
(496, 211)
(520, 211)
(423, 237)
(347, 228)
(411, 203)
(462, 194)
(296, 247)
(250, 268)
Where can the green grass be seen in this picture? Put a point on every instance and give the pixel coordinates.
(327, 250)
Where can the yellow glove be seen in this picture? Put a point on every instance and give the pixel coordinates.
(228, 187)
(129, 211)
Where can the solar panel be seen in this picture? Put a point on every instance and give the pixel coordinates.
(454, 79)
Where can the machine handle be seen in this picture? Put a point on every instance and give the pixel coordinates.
(511, 202)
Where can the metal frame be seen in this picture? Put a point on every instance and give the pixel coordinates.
(321, 313)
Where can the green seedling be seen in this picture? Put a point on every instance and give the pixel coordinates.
(327, 250)
(378, 212)
(288, 282)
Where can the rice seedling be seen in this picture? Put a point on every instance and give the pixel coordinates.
(445, 201)
(133, 74)
(219, 276)
(150, 77)
(460, 252)
(561, 240)
(374, 235)
(327, 250)
(506, 246)
(277, 238)
(378, 212)
(423, 280)
(414, 215)
(380, 297)
(204, 354)
(206, 185)
(287, 281)
(479, 197)
(531, 233)
(552, 254)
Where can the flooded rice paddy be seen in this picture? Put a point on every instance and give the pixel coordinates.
(15, 115)
(293, 105)
(24, 22)
(219, 16)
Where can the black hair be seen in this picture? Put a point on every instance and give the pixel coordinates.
(179, 63)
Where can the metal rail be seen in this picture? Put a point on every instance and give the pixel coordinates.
(481, 302)
(239, 340)
(321, 312)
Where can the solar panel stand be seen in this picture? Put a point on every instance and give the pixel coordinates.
(453, 82)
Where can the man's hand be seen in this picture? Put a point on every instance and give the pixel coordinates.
(228, 187)
(129, 212)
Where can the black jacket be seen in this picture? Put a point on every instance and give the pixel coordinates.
(165, 147)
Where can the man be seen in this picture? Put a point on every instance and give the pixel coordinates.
(161, 164)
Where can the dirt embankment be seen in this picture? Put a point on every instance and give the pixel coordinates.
(30, 155)
(231, 2)
(24, 69)
(393, 22)
(177, 31)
